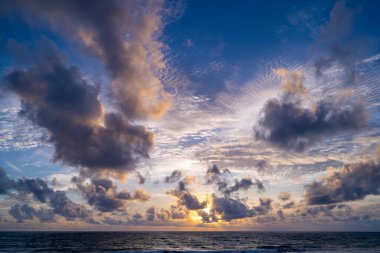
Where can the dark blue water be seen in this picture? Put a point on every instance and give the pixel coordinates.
(187, 242)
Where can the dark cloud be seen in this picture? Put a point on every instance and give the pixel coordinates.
(185, 198)
(45, 215)
(56, 97)
(63, 206)
(163, 215)
(289, 204)
(40, 190)
(208, 217)
(284, 196)
(213, 174)
(37, 187)
(137, 216)
(5, 182)
(290, 126)
(261, 165)
(191, 202)
(25, 212)
(112, 221)
(352, 182)
(100, 193)
(22, 212)
(178, 212)
(230, 209)
(331, 212)
(242, 184)
(264, 207)
(122, 34)
(281, 214)
(150, 214)
(103, 195)
(174, 177)
(141, 178)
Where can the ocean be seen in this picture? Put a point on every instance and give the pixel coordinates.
(188, 242)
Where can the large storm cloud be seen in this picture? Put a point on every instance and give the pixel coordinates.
(352, 182)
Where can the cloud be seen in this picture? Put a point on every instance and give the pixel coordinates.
(213, 174)
(242, 184)
(5, 182)
(141, 178)
(281, 214)
(292, 82)
(289, 204)
(124, 35)
(163, 215)
(174, 177)
(185, 198)
(341, 49)
(100, 193)
(22, 212)
(291, 126)
(112, 221)
(25, 212)
(229, 209)
(150, 214)
(284, 196)
(37, 187)
(40, 190)
(191, 202)
(352, 182)
(57, 98)
(103, 195)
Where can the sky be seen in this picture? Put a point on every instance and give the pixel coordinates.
(190, 115)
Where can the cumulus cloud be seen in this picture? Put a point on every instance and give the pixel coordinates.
(214, 175)
(352, 182)
(185, 198)
(291, 126)
(284, 196)
(141, 178)
(22, 212)
(124, 35)
(103, 194)
(174, 177)
(242, 184)
(40, 190)
(25, 212)
(56, 97)
(227, 209)
(112, 221)
(5, 182)
(163, 215)
(289, 204)
(150, 214)
(295, 121)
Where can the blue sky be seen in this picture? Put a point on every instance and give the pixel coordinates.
(190, 115)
